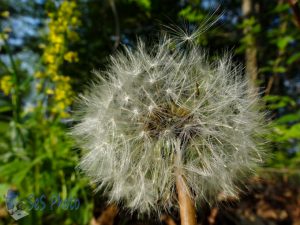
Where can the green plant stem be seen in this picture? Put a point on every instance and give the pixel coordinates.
(18, 141)
(15, 90)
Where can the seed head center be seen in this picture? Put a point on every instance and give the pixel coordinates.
(168, 117)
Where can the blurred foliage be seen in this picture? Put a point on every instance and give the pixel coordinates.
(48, 49)
(37, 155)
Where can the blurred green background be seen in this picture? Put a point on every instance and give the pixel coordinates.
(48, 50)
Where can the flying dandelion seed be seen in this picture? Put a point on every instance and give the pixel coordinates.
(163, 110)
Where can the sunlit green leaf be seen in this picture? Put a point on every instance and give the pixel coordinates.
(293, 58)
(283, 42)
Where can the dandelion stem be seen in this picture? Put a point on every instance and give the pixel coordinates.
(186, 203)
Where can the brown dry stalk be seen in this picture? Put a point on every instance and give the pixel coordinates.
(107, 217)
(167, 219)
(186, 203)
(296, 10)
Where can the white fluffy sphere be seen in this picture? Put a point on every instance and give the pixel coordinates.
(161, 101)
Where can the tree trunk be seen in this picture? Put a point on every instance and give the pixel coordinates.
(251, 48)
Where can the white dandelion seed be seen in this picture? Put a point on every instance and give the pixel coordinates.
(183, 113)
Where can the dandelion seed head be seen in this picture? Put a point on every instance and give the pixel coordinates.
(126, 98)
(151, 80)
(150, 108)
(159, 102)
(135, 111)
(169, 91)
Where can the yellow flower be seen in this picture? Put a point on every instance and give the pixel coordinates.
(59, 94)
(61, 31)
(64, 114)
(6, 84)
(38, 86)
(68, 101)
(49, 91)
(74, 21)
(71, 57)
(65, 78)
(58, 107)
(57, 48)
(49, 58)
(39, 74)
(56, 38)
(52, 69)
(5, 14)
(55, 77)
